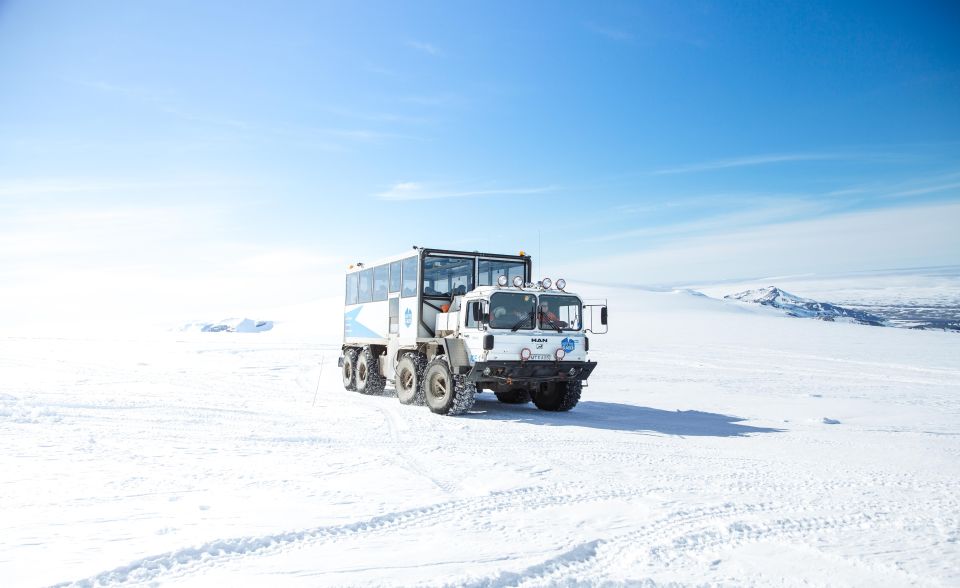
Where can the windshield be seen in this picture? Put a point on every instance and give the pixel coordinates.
(559, 312)
(512, 310)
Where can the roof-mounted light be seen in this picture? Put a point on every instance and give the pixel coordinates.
(518, 281)
(502, 281)
(561, 283)
(546, 283)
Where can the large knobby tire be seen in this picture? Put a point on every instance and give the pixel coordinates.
(409, 378)
(369, 380)
(560, 397)
(349, 369)
(444, 392)
(514, 396)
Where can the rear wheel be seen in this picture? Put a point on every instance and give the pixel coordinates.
(446, 393)
(369, 380)
(409, 378)
(349, 369)
(514, 396)
(559, 397)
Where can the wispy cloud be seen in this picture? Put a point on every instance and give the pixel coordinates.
(922, 191)
(907, 188)
(364, 135)
(424, 47)
(431, 100)
(328, 139)
(418, 191)
(26, 188)
(609, 32)
(749, 161)
(382, 71)
(769, 211)
(909, 236)
(773, 158)
(380, 117)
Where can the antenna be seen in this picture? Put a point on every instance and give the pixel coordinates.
(539, 259)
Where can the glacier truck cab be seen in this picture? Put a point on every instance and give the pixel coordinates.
(444, 325)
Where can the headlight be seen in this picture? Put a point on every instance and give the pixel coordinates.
(547, 282)
(561, 283)
(525, 354)
(518, 281)
(559, 353)
(502, 281)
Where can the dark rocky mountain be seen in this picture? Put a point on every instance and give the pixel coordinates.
(806, 308)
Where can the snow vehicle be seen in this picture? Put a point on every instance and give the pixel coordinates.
(443, 325)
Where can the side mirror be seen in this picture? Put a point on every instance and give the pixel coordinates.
(603, 315)
(477, 312)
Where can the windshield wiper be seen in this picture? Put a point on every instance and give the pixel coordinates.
(525, 319)
(555, 324)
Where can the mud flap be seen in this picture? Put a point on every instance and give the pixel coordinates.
(457, 357)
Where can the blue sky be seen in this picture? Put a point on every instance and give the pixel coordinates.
(244, 147)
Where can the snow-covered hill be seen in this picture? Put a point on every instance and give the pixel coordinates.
(924, 298)
(806, 308)
(717, 443)
(230, 325)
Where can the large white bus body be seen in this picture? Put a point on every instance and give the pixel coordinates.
(446, 324)
(400, 296)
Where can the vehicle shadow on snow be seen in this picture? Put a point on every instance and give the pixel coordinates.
(621, 417)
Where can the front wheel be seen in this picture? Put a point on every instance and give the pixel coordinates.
(559, 397)
(446, 393)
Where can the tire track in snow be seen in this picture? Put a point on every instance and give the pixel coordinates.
(403, 457)
(586, 562)
(713, 534)
(185, 561)
(579, 553)
(592, 554)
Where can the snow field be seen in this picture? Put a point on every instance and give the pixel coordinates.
(698, 455)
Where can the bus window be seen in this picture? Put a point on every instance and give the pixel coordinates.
(488, 270)
(379, 283)
(446, 276)
(366, 286)
(352, 288)
(409, 277)
(395, 277)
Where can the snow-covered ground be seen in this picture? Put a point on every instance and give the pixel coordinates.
(716, 443)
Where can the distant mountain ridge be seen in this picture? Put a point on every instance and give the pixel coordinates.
(230, 325)
(796, 306)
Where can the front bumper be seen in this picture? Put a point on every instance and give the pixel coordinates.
(529, 371)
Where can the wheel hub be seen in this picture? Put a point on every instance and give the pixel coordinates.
(439, 386)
